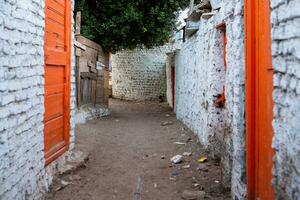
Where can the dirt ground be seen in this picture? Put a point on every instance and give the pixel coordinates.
(136, 142)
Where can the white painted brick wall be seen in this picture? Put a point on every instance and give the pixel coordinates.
(21, 99)
(200, 77)
(285, 21)
(22, 171)
(139, 74)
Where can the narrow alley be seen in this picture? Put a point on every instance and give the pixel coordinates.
(137, 140)
(149, 100)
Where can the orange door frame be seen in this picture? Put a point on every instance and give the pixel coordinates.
(56, 56)
(259, 103)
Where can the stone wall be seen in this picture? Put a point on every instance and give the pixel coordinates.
(22, 167)
(139, 74)
(285, 19)
(200, 78)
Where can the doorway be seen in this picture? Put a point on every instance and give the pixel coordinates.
(57, 78)
(173, 86)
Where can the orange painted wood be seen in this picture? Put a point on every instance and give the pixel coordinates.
(57, 78)
(259, 102)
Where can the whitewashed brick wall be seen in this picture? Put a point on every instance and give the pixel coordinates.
(285, 18)
(73, 83)
(200, 77)
(21, 99)
(139, 74)
(22, 165)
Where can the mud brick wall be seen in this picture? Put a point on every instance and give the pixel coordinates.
(22, 166)
(200, 78)
(139, 74)
(285, 19)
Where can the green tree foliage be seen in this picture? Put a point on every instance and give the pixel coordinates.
(127, 24)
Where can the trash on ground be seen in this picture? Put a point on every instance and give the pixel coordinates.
(174, 174)
(186, 166)
(202, 159)
(172, 179)
(166, 123)
(63, 184)
(163, 157)
(180, 143)
(177, 159)
(193, 195)
(187, 154)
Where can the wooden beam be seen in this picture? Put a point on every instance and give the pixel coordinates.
(78, 23)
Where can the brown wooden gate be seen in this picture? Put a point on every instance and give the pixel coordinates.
(57, 78)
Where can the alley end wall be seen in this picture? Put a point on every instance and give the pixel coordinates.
(139, 74)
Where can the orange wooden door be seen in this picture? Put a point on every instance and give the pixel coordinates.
(259, 102)
(57, 78)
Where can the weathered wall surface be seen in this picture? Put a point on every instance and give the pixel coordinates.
(285, 18)
(73, 83)
(21, 99)
(22, 167)
(169, 63)
(200, 77)
(139, 74)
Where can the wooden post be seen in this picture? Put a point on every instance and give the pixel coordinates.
(78, 23)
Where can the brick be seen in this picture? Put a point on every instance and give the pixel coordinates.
(22, 168)
(286, 54)
(200, 76)
(137, 75)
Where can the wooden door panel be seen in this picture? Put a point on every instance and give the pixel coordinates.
(57, 78)
(55, 82)
(55, 58)
(54, 132)
(55, 102)
(55, 31)
(56, 5)
(55, 75)
(56, 19)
